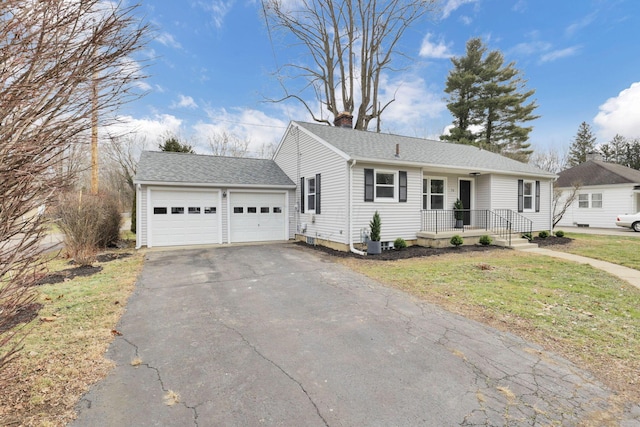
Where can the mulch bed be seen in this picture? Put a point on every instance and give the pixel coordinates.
(419, 251)
(25, 315)
(68, 274)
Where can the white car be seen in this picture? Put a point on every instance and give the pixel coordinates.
(629, 221)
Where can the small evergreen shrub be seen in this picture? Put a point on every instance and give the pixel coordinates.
(543, 234)
(485, 240)
(375, 225)
(456, 241)
(559, 233)
(399, 243)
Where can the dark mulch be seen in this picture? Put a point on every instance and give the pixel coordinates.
(410, 252)
(25, 315)
(552, 241)
(68, 274)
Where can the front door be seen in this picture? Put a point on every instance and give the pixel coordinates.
(465, 196)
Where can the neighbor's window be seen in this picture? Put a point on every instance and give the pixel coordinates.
(311, 194)
(159, 211)
(177, 211)
(583, 200)
(433, 193)
(385, 185)
(596, 200)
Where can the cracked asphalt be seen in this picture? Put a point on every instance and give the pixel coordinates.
(281, 335)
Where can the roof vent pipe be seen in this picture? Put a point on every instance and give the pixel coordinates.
(397, 150)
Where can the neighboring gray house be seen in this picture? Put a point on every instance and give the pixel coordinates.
(324, 184)
(606, 190)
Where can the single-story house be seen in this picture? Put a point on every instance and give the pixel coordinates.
(324, 183)
(606, 190)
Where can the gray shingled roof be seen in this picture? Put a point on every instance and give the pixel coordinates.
(168, 167)
(596, 172)
(363, 145)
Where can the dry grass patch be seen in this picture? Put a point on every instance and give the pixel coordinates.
(584, 314)
(64, 352)
(615, 249)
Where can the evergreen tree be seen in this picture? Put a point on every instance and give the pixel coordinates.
(583, 144)
(488, 95)
(616, 150)
(174, 145)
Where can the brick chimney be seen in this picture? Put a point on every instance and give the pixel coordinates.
(594, 155)
(344, 120)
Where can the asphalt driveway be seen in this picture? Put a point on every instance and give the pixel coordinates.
(281, 335)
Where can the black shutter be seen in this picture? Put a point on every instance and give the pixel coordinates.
(317, 193)
(520, 195)
(302, 195)
(537, 196)
(402, 193)
(368, 185)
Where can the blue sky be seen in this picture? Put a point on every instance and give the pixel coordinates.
(214, 66)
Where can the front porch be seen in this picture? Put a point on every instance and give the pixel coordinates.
(506, 227)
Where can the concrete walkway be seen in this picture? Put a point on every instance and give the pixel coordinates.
(625, 273)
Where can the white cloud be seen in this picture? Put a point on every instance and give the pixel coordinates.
(619, 115)
(150, 128)
(218, 9)
(434, 50)
(168, 40)
(414, 104)
(466, 20)
(560, 53)
(452, 5)
(531, 48)
(583, 23)
(184, 102)
(520, 6)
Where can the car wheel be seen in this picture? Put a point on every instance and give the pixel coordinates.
(636, 226)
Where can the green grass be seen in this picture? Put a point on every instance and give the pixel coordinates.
(64, 352)
(616, 249)
(585, 314)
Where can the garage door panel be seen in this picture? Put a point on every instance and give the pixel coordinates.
(257, 217)
(190, 217)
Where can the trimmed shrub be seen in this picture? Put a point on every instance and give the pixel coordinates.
(559, 233)
(456, 240)
(485, 240)
(88, 223)
(543, 234)
(399, 243)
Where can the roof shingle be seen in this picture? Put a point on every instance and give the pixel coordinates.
(169, 167)
(364, 145)
(596, 172)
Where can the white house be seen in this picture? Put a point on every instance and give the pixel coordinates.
(329, 182)
(606, 190)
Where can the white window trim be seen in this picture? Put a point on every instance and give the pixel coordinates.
(307, 194)
(532, 196)
(428, 193)
(396, 186)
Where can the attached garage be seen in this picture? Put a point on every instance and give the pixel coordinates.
(185, 217)
(190, 199)
(257, 217)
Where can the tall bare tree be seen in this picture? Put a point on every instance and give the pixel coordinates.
(50, 52)
(224, 143)
(351, 44)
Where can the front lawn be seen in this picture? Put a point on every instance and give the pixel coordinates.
(615, 249)
(64, 351)
(584, 314)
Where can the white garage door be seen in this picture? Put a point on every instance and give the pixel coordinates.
(257, 217)
(184, 217)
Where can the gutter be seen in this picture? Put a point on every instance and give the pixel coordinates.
(351, 247)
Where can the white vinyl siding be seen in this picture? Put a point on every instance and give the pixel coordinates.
(504, 195)
(301, 156)
(616, 200)
(399, 219)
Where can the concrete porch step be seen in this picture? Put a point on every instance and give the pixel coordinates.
(516, 243)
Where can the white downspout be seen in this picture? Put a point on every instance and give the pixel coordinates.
(351, 247)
